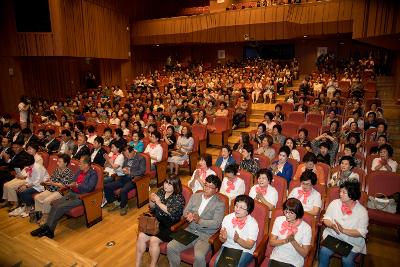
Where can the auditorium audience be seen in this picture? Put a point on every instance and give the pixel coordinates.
(232, 186)
(196, 183)
(225, 158)
(263, 191)
(282, 167)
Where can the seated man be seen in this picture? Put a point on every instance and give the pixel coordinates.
(84, 181)
(134, 165)
(204, 212)
(81, 149)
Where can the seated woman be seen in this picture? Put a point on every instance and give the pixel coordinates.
(176, 123)
(222, 111)
(170, 139)
(347, 220)
(22, 188)
(381, 141)
(277, 136)
(167, 205)
(184, 146)
(294, 153)
(248, 163)
(353, 139)
(279, 116)
(381, 129)
(154, 149)
(114, 120)
(309, 197)
(351, 150)
(290, 236)
(260, 134)
(310, 163)
(225, 159)
(244, 140)
(240, 111)
(239, 230)
(268, 117)
(265, 148)
(200, 174)
(302, 140)
(113, 164)
(200, 118)
(316, 107)
(232, 186)
(263, 191)
(61, 177)
(269, 92)
(282, 167)
(331, 116)
(136, 143)
(385, 161)
(301, 106)
(345, 173)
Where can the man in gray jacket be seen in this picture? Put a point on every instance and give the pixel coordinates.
(204, 212)
(134, 165)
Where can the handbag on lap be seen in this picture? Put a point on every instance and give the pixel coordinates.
(148, 224)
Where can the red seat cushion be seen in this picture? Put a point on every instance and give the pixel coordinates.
(163, 248)
(76, 212)
(131, 194)
(188, 256)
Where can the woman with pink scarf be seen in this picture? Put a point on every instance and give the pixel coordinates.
(200, 174)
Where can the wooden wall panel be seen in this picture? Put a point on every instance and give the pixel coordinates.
(11, 85)
(266, 23)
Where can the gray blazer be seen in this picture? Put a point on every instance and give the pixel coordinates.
(211, 217)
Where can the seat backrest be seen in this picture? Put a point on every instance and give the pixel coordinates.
(74, 165)
(313, 129)
(224, 199)
(326, 169)
(165, 150)
(100, 176)
(195, 143)
(287, 107)
(315, 118)
(187, 193)
(264, 161)
(45, 157)
(200, 131)
(237, 156)
(295, 165)
(221, 123)
(247, 177)
(359, 171)
(296, 116)
(289, 128)
(148, 163)
(302, 151)
(383, 182)
(280, 185)
(217, 171)
(368, 162)
(276, 147)
(52, 165)
(261, 215)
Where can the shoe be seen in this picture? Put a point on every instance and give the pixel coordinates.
(5, 204)
(47, 232)
(16, 212)
(123, 211)
(12, 208)
(104, 202)
(114, 206)
(38, 231)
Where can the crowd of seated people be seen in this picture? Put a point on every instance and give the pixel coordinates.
(138, 124)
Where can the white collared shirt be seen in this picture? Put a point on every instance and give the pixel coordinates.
(203, 204)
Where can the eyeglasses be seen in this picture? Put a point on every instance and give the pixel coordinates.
(288, 212)
(306, 184)
(240, 207)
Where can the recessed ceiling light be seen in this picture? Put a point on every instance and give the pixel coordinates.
(158, 45)
(305, 36)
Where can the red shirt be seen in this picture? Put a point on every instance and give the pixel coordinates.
(79, 180)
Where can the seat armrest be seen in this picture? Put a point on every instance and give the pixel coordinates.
(182, 223)
(215, 242)
(310, 257)
(259, 252)
(320, 222)
(86, 195)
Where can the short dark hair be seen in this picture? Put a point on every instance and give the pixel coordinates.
(119, 132)
(294, 205)
(388, 148)
(50, 131)
(18, 142)
(157, 135)
(107, 129)
(232, 168)
(267, 172)
(227, 147)
(278, 127)
(213, 179)
(86, 159)
(26, 131)
(207, 158)
(91, 129)
(246, 199)
(66, 132)
(269, 114)
(99, 140)
(304, 130)
(263, 126)
(175, 181)
(309, 156)
(285, 149)
(309, 175)
(290, 138)
(352, 147)
(353, 189)
(65, 157)
(349, 159)
(325, 144)
(34, 146)
(249, 149)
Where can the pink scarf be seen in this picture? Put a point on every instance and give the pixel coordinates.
(346, 209)
(231, 185)
(240, 223)
(303, 194)
(290, 229)
(261, 190)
